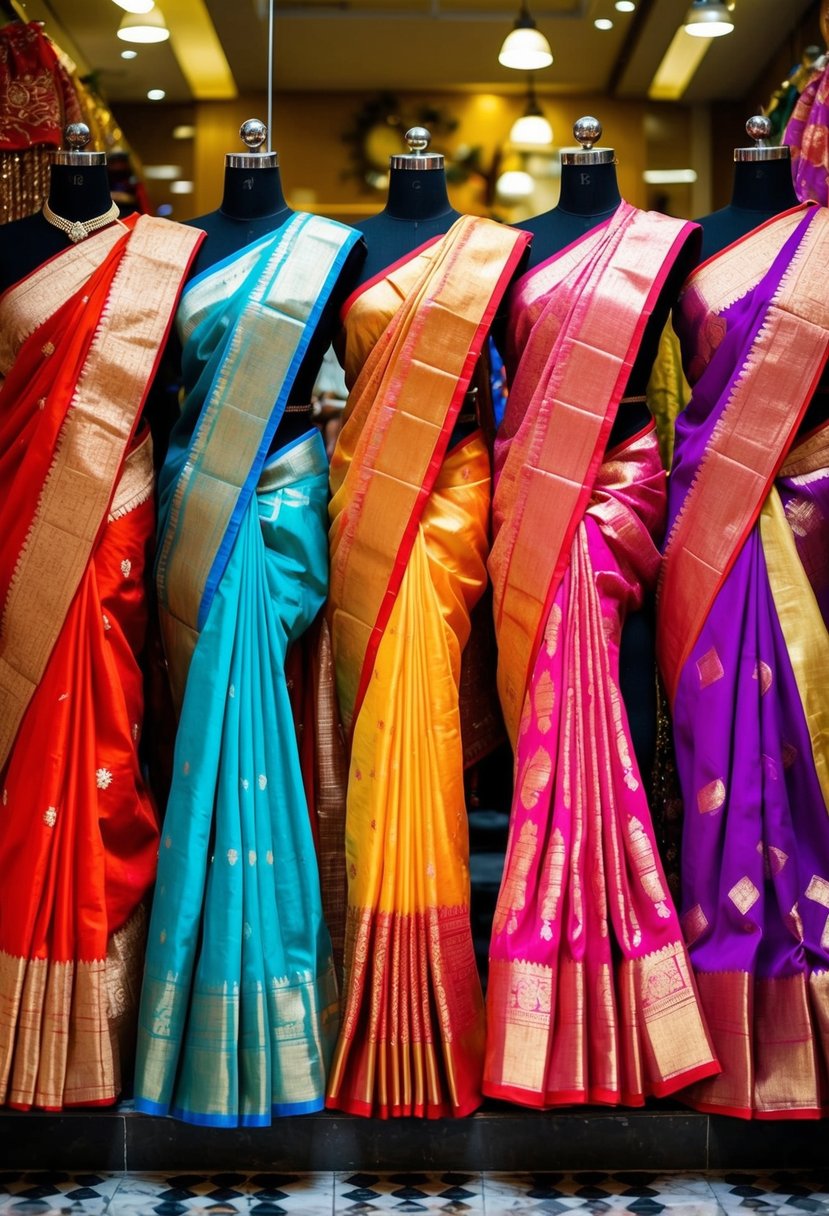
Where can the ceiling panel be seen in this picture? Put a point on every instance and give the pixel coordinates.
(425, 44)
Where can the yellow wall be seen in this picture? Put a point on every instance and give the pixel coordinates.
(308, 131)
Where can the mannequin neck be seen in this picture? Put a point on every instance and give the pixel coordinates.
(417, 194)
(589, 190)
(252, 193)
(763, 185)
(79, 192)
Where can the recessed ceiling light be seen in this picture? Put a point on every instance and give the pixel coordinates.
(184, 131)
(181, 187)
(156, 94)
(603, 23)
(625, 6)
(129, 54)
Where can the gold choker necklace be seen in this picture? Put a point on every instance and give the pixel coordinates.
(79, 230)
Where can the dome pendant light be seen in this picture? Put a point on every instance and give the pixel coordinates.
(143, 27)
(708, 19)
(532, 129)
(525, 48)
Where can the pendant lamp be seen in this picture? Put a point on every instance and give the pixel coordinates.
(136, 6)
(525, 48)
(708, 19)
(143, 27)
(532, 129)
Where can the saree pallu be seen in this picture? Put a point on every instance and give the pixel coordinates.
(78, 832)
(590, 995)
(408, 546)
(239, 1006)
(744, 650)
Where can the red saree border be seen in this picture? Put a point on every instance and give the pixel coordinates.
(49, 567)
(560, 253)
(699, 552)
(362, 288)
(526, 629)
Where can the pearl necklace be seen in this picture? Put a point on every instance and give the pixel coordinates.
(79, 230)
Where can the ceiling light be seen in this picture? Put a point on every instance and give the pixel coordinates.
(181, 187)
(708, 19)
(603, 23)
(129, 54)
(669, 177)
(156, 94)
(514, 185)
(625, 6)
(136, 6)
(532, 128)
(162, 173)
(147, 27)
(525, 48)
(184, 131)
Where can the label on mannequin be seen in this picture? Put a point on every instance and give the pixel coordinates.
(247, 183)
(77, 179)
(584, 179)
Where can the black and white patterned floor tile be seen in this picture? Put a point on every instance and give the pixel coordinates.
(594, 1192)
(785, 1193)
(355, 1193)
(226, 1194)
(363, 1194)
(44, 1193)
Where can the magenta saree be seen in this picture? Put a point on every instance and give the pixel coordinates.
(590, 993)
(743, 646)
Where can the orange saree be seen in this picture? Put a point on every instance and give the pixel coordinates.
(80, 340)
(408, 550)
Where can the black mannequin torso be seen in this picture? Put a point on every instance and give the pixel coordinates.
(253, 206)
(76, 192)
(589, 196)
(417, 210)
(761, 190)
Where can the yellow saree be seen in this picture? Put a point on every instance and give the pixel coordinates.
(408, 563)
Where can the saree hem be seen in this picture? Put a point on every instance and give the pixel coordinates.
(749, 1115)
(600, 1095)
(419, 1110)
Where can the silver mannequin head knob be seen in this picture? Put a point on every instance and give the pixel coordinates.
(76, 136)
(587, 131)
(253, 134)
(758, 128)
(418, 156)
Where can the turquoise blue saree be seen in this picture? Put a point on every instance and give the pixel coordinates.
(239, 1005)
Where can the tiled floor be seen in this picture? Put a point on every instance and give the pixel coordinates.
(360, 1194)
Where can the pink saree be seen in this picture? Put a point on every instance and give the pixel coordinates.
(591, 996)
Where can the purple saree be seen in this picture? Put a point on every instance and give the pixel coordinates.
(742, 641)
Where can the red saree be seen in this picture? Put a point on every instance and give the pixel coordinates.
(79, 340)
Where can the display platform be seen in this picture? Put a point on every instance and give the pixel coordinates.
(662, 1137)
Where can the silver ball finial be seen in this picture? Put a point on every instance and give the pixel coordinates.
(253, 133)
(77, 135)
(418, 140)
(758, 128)
(587, 130)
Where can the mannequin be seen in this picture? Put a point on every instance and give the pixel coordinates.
(408, 542)
(417, 207)
(253, 206)
(762, 188)
(78, 190)
(589, 196)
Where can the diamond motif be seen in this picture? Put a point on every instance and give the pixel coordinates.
(103, 778)
(50, 816)
(126, 566)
